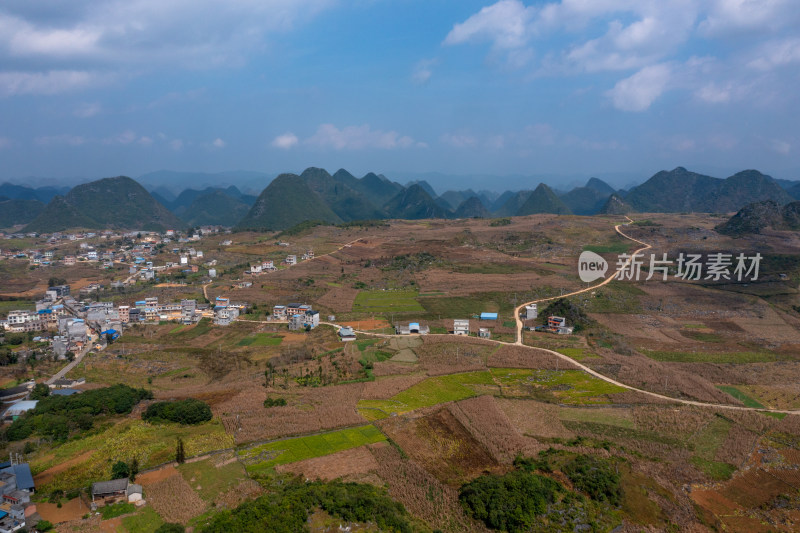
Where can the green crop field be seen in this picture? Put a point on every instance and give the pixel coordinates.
(260, 459)
(211, 479)
(261, 339)
(612, 248)
(713, 357)
(566, 386)
(468, 306)
(432, 391)
(144, 521)
(706, 443)
(741, 396)
(13, 305)
(387, 302)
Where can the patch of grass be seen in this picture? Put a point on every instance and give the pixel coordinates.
(741, 396)
(403, 301)
(565, 386)
(779, 416)
(262, 458)
(153, 444)
(177, 329)
(579, 354)
(146, 520)
(704, 337)
(432, 391)
(13, 305)
(616, 433)
(211, 479)
(468, 306)
(261, 339)
(716, 470)
(714, 357)
(364, 344)
(492, 268)
(598, 416)
(611, 248)
(201, 328)
(118, 509)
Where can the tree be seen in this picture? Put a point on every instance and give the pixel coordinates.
(134, 468)
(44, 525)
(40, 390)
(70, 356)
(180, 453)
(120, 470)
(54, 281)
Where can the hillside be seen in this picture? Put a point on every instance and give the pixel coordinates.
(346, 202)
(376, 189)
(680, 190)
(543, 200)
(472, 207)
(286, 201)
(414, 203)
(615, 205)
(16, 211)
(755, 217)
(12, 191)
(589, 199)
(215, 208)
(456, 198)
(510, 203)
(109, 203)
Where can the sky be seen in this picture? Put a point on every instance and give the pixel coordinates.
(571, 88)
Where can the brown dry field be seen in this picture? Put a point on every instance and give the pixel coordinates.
(346, 464)
(72, 510)
(174, 499)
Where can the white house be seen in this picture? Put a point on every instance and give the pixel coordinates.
(460, 326)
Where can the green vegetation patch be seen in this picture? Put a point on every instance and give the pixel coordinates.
(261, 459)
(706, 443)
(286, 508)
(611, 248)
(566, 386)
(432, 391)
(598, 416)
(144, 521)
(704, 337)
(108, 512)
(469, 306)
(714, 357)
(261, 339)
(741, 396)
(213, 480)
(403, 301)
(188, 411)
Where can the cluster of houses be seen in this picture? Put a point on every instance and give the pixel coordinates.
(300, 316)
(268, 265)
(16, 488)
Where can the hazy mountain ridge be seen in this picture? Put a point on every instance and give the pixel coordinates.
(757, 216)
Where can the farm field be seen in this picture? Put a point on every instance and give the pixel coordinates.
(387, 302)
(264, 457)
(421, 417)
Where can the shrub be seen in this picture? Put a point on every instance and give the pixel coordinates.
(595, 477)
(510, 502)
(274, 402)
(120, 470)
(44, 525)
(188, 411)
(40, 390)
(169, 527)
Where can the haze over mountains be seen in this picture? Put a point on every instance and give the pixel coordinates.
(315, 194)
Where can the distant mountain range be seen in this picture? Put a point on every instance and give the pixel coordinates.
(315, 194)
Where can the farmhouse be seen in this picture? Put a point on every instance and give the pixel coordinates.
(460, 326)
(347, 334)
(484, 333)
(412, 328)
(531, 312)
(113, 491)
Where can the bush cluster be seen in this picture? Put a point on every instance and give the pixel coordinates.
(188, 411)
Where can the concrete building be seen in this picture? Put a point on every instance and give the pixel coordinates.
(484, 333)
(460, 326)
(531, 312)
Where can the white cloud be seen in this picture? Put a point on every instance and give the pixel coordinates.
(459, 140)
(145, 140)
(176, 144)
(51, 82)
(423, 71)
(87, 110)
(504, 24)
(126, 137)
(775, 54)
(358, 137)
(732, 16)
(64, 139)
(131, 37)
(218, 143)
(285, 141)
(638, 92)
(781, 147)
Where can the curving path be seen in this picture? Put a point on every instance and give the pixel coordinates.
(588, 370)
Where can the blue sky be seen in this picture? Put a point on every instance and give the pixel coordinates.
(567, 87)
